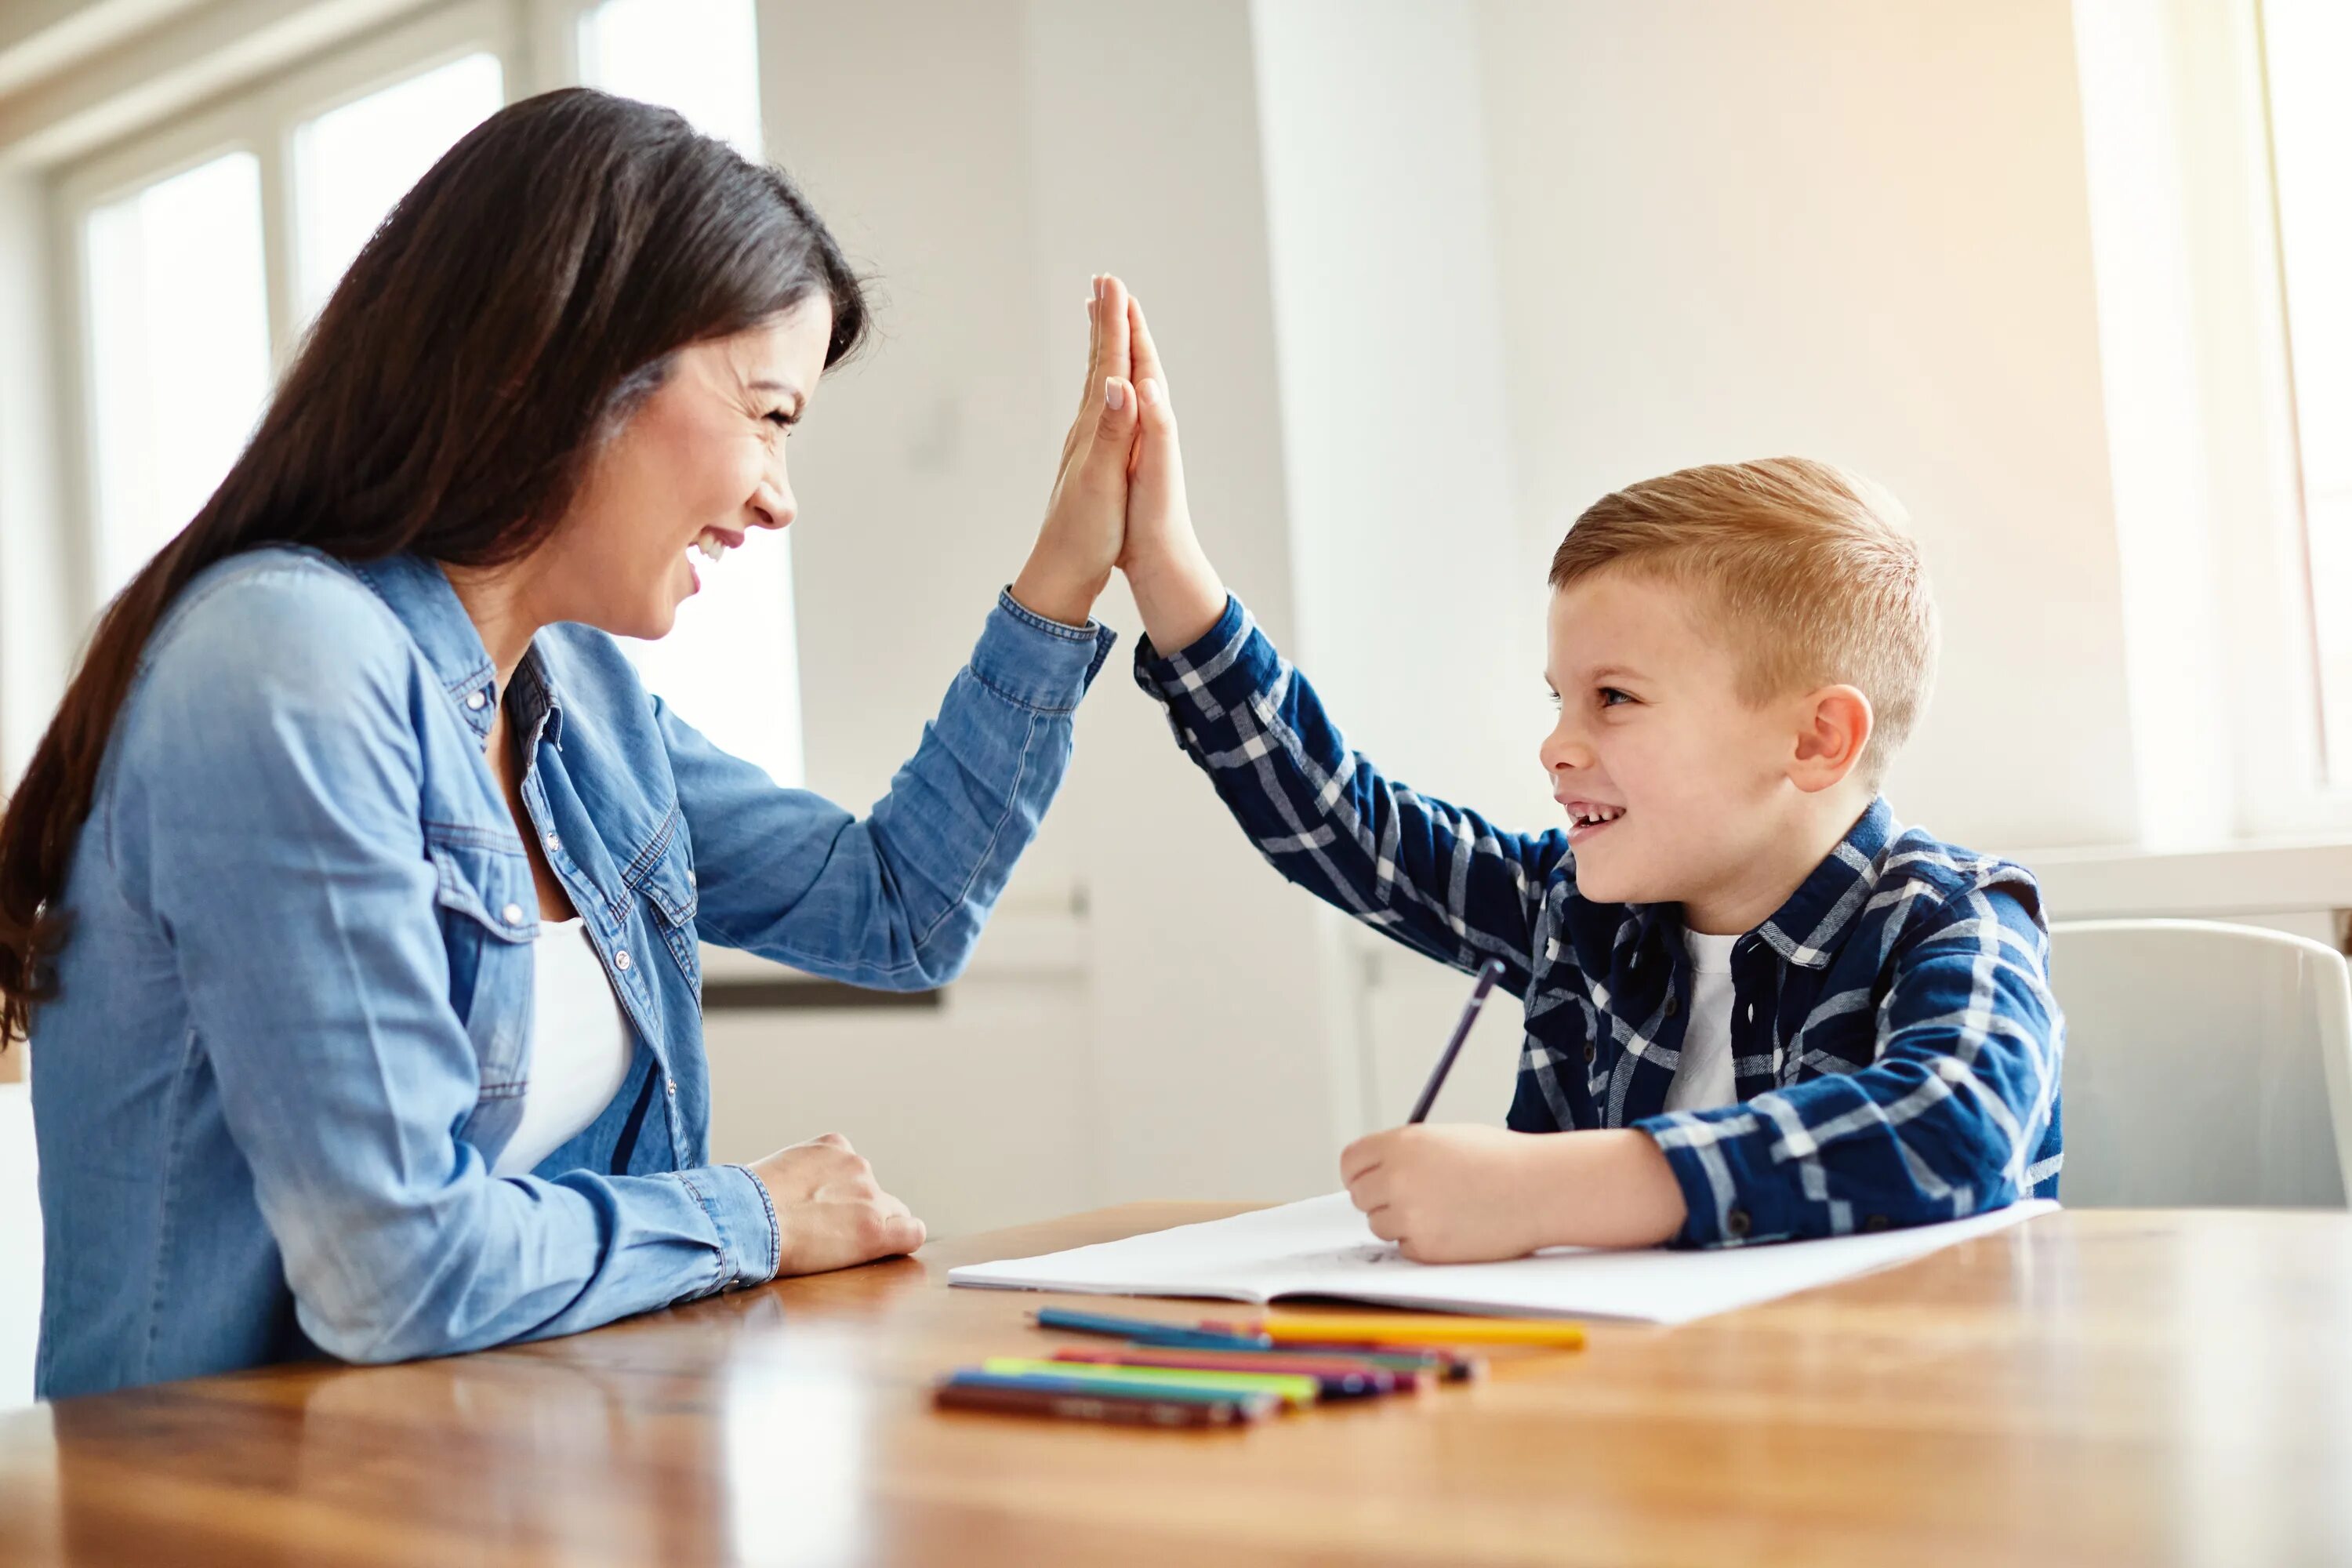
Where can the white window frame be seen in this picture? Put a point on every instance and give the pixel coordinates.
(2220, 641)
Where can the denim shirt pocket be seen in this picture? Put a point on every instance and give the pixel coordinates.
(489, 911)
(668, 885)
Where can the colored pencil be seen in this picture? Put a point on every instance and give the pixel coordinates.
(1488, 973)
(1293, 1389)
(1112, 1388)
(1342, 1377)
(1151, 1331)
(1451, 1365)
(1094, 1406)
(1417, 1329)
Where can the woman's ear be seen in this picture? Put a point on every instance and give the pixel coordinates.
(1834, 725)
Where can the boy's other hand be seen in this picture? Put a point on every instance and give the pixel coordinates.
(1177, 591)
(1472, 1195)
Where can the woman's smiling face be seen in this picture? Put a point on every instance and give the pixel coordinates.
(695, 471)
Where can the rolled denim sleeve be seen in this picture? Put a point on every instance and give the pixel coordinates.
(894, 899)
(276, 775)
(1953, 1119)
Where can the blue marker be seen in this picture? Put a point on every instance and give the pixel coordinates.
(1149, 1331)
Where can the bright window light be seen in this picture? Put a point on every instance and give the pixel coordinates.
(700, 57)
(2309, 48)
(179, 316)
(351, 163)
(730, 669)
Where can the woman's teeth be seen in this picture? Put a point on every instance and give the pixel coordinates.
(710, 544)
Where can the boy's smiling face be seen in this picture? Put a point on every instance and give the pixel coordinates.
(1677, 789)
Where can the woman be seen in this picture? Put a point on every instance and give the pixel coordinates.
(352, 898)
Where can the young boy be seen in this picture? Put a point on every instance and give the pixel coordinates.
(1757, 1008)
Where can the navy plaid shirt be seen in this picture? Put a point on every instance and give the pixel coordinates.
(1895, 1042)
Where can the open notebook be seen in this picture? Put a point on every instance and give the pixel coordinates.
(1323, 1248)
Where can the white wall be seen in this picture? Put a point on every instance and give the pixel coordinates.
(1857, 231)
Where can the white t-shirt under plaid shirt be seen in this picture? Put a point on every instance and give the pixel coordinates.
(1894, 1045)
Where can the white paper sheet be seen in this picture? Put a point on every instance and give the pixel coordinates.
(1323, 1248)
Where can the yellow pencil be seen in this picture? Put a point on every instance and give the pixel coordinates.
(1420, 1329)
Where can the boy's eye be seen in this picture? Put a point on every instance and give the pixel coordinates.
(1610, 696)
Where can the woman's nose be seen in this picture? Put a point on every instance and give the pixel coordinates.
(773, 505)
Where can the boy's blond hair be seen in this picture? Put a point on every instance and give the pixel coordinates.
(1809, 573)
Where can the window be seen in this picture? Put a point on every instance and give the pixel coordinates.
(352, 162)
(205, 247)
(2307, 47)
(730, 667)
(179, 353)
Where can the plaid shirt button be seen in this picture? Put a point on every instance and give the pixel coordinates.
(1674, 1004)
(1877, 1222)
(1737, 1222)
(1589, 1053)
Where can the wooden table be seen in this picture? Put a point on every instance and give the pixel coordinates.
(2093, 1387)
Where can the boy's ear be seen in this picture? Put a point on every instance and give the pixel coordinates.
(1834, 725)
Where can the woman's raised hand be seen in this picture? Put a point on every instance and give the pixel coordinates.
(1177, 591)
(1085, 519)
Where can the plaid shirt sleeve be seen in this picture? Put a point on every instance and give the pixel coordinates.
(1435, 877)
(1948, 1122)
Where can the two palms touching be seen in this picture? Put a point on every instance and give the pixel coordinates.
(1118, 496)
(1117, 504)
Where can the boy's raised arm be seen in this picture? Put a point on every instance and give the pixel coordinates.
(1438, 879)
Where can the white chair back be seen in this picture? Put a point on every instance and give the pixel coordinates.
(2207, 1065)
(20, 1246)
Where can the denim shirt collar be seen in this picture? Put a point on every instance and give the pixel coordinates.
(1808, 928)
(418, 591)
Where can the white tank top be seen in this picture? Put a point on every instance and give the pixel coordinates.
(579, 1046)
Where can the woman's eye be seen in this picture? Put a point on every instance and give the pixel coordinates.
(1551, 696)
(782, 420)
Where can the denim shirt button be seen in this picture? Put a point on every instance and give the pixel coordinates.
(673, 1089)
(553, 842)
(621, 958)
(691, 881)
(475, 700)
(512, 915)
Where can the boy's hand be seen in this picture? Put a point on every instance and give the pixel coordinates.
(1177, 591)
(1472, 1195)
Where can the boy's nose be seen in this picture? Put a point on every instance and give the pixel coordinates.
(1561, 752)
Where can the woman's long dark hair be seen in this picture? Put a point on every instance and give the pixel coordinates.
(507, 317)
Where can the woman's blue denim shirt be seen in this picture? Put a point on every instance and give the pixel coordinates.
(294, 1027)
